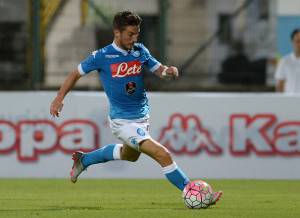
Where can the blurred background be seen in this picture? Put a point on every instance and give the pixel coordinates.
(218, 45)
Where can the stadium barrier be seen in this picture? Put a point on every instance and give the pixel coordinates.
(211, 135)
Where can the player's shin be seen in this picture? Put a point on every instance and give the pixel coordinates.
(101, 155)
(176, 176)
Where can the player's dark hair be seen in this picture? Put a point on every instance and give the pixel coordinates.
(126, 18)
(295, 31)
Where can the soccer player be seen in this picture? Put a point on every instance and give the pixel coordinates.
(120, 67)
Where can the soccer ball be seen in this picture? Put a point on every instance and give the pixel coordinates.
(197, 194)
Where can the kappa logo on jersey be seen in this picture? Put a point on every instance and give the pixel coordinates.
(94, 53)
(124, 69)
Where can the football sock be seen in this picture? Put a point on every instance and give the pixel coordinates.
(176, 176)
(101, 155)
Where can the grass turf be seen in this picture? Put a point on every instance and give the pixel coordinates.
(56, 198)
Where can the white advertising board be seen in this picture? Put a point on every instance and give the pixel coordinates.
(209, 135)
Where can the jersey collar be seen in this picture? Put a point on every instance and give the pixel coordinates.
(124, 52)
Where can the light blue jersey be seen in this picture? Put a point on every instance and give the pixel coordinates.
(122, 76)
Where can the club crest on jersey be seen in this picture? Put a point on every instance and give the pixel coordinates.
(141, 132)
(125, 69)
(136, 54)
(130, 87)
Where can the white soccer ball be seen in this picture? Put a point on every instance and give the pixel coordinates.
(197, 194)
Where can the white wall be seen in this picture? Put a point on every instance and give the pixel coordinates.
(288, 7)
(139, 6)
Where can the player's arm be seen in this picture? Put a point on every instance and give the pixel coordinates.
(166, 72)
(280, 85)
(91, 63)
(157, 68)
(57, 103)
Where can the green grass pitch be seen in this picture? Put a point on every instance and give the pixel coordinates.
(55, 198)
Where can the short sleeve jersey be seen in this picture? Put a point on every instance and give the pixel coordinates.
(122, 75)
(289, 70)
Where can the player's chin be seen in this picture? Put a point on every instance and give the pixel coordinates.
(129, 46)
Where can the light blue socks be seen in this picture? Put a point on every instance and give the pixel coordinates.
(112, 152)
(102, 155)
(175, 175)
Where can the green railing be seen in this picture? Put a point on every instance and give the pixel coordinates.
(42, 13)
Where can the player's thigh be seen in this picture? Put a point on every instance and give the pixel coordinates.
(128, 153)
(155, 150)
(130, 133)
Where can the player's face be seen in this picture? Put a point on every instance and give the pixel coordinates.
(127, 37)
(296, 43)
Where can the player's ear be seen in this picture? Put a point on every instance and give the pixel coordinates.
(117, 33)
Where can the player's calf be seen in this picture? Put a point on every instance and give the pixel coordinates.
(161, 154)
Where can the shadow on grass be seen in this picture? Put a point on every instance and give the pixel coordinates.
(56, 208)
(87, 208)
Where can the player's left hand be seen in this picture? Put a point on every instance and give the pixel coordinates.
(170, 72)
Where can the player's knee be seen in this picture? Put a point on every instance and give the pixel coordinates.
(133, 158)
(128, 157)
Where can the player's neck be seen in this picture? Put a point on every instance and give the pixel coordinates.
(119, 45)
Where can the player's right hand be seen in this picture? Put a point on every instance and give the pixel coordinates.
(56, 107)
